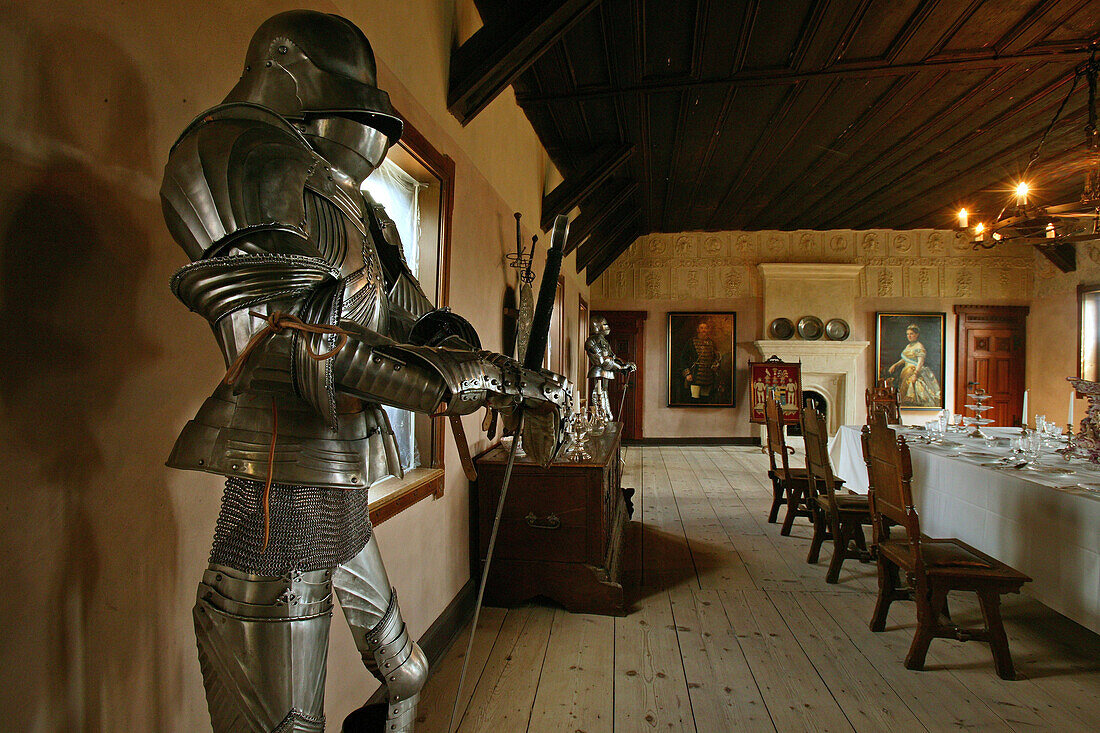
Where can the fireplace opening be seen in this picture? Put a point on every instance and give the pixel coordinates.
(814, 399)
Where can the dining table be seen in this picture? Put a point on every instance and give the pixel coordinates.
(1038, 512)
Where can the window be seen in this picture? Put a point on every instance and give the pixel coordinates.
(1088, 331)
(416, 183)
(400, 192)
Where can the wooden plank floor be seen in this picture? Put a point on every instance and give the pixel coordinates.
(732, 630)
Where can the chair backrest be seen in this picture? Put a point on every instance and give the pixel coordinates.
(882, 397)
(777, 442)
(818, 469)
(889, 473)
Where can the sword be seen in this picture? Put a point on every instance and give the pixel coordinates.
(622, 397)
(536, 350)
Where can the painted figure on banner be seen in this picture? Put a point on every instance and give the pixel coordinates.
(303, 279)
(603, 366)
(784, 380)
(915, 382)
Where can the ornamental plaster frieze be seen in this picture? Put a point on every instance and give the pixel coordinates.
(919, 263)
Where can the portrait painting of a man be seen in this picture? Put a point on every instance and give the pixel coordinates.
(700, 359)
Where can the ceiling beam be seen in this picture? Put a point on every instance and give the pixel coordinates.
(1063, 256)
(569, 194)
(1029, 113)
(1062, 52)
(595, 214)
(493, 57)
(597, 244)
(615, 247)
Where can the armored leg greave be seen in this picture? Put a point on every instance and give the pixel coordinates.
(263, 645)
(370, 606)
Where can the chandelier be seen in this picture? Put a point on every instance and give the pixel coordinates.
(1025, 221)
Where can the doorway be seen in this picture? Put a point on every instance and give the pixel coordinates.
(990, 347)
(627, 340)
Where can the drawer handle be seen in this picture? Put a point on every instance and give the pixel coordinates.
(551, 522)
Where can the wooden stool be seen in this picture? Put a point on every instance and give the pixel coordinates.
(933, 567)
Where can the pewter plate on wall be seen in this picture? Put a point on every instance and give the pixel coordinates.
(781, 328)
(810, 328)
(837, 330)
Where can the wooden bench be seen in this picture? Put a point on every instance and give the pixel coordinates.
(932, 567)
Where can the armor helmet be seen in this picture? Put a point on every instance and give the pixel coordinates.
(304, 64)
(599, 326)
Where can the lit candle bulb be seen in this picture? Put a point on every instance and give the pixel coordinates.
(1050, 230)
(979, 232)
(1021, 193)
(964, 219)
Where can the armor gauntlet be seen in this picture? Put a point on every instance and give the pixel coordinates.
(460, 380)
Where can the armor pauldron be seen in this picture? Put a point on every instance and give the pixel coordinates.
(213, 192)
(216, 287)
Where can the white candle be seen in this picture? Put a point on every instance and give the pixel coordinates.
(1072, 396)
(1023, 421)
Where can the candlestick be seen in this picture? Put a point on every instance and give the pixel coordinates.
(1023, 420)
(1072, 396)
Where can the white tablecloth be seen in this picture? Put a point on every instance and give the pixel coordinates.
(1042, 524)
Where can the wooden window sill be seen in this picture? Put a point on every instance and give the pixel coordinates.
(394, 495)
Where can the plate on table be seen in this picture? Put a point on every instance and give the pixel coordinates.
(837, 329)
(781, 328)
(1050, 470)
(810, 328)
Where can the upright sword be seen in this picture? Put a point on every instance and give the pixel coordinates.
(532, 359)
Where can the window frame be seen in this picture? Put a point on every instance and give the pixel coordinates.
(394, 495)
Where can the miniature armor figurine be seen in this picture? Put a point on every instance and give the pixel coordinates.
(320, 321)
(603, 364)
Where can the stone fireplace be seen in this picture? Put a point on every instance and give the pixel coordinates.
(834, 369)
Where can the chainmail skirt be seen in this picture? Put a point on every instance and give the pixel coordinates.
(312, 527)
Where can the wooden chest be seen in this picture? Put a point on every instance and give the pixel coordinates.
(561, 532)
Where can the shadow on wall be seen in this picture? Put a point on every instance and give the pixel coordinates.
(89, 530)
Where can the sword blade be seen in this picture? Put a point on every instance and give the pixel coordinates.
(485, 568)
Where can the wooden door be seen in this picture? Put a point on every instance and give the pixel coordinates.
(990, 344)
(627, 340)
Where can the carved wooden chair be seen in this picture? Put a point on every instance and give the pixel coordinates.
(885, 398)
(933, 567)
(789, 485)
(838, 516)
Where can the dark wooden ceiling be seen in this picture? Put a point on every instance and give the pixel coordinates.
(679, 115)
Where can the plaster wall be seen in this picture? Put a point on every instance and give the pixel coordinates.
(103, 366)
(1052, 334)
(903, 271)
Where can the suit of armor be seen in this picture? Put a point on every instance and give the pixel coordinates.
(603, 365)
(320, 322)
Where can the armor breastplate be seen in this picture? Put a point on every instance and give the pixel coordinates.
(599, 352)
(270, 227)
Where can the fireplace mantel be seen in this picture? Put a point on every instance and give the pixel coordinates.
(828, 367)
